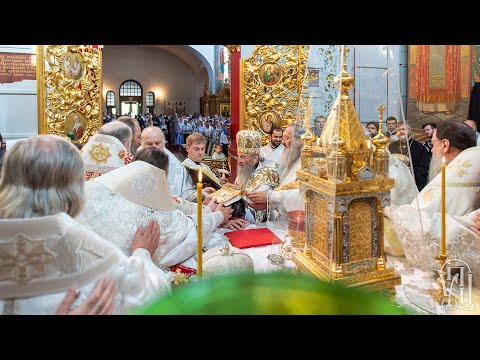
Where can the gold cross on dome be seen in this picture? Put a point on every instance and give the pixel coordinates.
(380, 109)
(344, 50)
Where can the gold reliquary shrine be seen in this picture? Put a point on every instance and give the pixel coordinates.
(346, 185)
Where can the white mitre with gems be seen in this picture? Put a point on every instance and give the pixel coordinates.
(249, 141)
(141, 183)
(103, 153)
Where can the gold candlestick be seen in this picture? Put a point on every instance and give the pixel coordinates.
(199, 223)
(444, 244)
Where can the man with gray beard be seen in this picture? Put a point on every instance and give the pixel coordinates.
(419, 153)
(417, 226)
(286, 196)
(252, 175)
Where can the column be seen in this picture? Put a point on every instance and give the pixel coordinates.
(234, 52)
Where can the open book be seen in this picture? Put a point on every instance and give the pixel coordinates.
(228, 195)
(208, 177)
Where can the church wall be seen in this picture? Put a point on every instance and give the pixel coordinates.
(208, 52)
(18, 102)
(156, 70)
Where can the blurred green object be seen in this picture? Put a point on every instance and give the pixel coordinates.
(277, 293)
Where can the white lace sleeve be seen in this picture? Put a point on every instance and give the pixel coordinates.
(420, 250)
(138, 280)
(188, 207)
(279, 197)
(189, 246)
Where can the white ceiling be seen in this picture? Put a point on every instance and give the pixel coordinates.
(183, 52)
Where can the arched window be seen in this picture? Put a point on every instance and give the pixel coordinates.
(110, 102)
(150, 102)
(130, 98)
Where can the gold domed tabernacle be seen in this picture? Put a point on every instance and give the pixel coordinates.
(346, 125)
(346, 186)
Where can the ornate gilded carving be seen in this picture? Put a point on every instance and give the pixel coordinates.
(272, 82)
(319, 215)
(69, 83)
(360, 231)
(232, 48)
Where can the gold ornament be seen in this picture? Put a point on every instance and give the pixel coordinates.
(249, 141)
(69, 81)
(344, 232)
(271, 82)
(100, 153)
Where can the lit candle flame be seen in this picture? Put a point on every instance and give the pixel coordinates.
(443, 159)
(200, 176)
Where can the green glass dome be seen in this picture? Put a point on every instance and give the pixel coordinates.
(278, 293)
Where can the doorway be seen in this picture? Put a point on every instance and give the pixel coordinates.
(130, 108)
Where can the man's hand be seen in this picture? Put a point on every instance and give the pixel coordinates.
(225, 210)
(258, 200)
(258, 206)
(258, 197)
(223, 180)
(207, 191)
(210, 202)
(147, 240)
(99, 302)
(236, 224)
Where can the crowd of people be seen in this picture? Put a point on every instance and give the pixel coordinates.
(176, 128)
(101, 230)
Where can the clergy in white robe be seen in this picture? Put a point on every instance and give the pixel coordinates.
(252, 175)
(107, 149)
(134, 194)
(272, 152)
(178, 177)
(417, 225)
(44, 251)
(195, 146)
(286, 196)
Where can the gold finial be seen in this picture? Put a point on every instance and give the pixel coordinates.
(380, 141)
(380, 109)
(344, 80)
(344, 49)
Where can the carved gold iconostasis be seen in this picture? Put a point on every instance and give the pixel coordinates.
(69, 84)
(270, 86)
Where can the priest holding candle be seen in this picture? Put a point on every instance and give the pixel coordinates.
(440, 219)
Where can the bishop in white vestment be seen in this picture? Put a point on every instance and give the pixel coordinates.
(134, 194)
(252, 175)
(417, 226)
